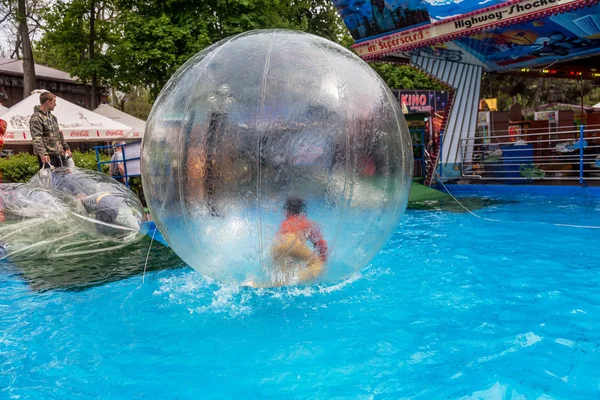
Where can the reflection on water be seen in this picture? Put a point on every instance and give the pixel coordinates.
(452, 205)
(77, 273)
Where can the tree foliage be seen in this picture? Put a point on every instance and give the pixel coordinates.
(405, 77)
(18, 22)
(159, 36)
(66, 41)
(530, 91)
(10, 18)
(140, 44)
(137, 102)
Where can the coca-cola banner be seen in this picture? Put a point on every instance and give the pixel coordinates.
(76, 123)
(74, 135)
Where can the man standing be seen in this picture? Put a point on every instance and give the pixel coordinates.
(48, 141)
(116, 169)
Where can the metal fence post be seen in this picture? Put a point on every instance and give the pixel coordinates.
(581, 129)
(439, 157)
(124, 165)
(98, 165)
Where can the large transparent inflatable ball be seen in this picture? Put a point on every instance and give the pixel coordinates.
(276, 158)
(112, 211)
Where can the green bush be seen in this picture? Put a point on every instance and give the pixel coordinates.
(88, 160)
(21, 167)
(135, 184)
(18, 168)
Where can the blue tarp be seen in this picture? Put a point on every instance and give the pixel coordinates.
(149, 228)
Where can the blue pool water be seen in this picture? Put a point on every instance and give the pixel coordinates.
(454, 307)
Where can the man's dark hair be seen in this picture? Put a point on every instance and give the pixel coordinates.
(295, 206)
(44, 97)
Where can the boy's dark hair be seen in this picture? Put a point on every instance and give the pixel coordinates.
(295, 206)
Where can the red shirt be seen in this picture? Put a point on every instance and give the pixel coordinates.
(301, 226)
(2, 132)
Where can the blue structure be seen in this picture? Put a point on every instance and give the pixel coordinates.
(131, 158)
(456, 42)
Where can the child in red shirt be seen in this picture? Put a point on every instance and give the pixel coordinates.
(292, 245)
(294, 259)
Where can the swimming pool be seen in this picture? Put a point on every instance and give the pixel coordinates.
(454, 307)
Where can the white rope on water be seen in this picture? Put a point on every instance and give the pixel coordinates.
(578, 226)
(43, 242)
(439, 178)
(148, 254)
(143, 277)
(95, 221)
(23, 227)
(89, 251)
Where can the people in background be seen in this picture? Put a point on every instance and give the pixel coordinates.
(117, 168)
(48, 141)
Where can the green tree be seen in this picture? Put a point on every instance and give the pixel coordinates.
(156, 38)
(137, 103)
(405, 77)
(531, 91)
(318, 17)
(159, 36)
(28, 60)
(593, 97)
(18, 21)
(77, 39)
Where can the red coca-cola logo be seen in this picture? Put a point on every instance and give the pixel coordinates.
(9, 135)
(80, 134)
(136, 134)
(114, 133)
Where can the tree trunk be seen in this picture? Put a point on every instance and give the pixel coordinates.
(94, 96)
(117, 102)
(28, 62)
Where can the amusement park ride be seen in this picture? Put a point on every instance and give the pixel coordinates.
(456, 41)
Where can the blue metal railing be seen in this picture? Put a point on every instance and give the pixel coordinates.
(124, 161)
(565, 155)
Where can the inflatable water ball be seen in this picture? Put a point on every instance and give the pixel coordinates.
(38, 223)
(20, 201)
(261, 118)
(114, 211)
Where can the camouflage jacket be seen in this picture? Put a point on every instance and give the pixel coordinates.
(47, 137)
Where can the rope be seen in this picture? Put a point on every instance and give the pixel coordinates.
(95, 221)
(148, 254)
(439, 178)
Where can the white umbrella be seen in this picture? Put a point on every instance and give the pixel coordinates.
(3, 109)
(76, 123)
(137, 124)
